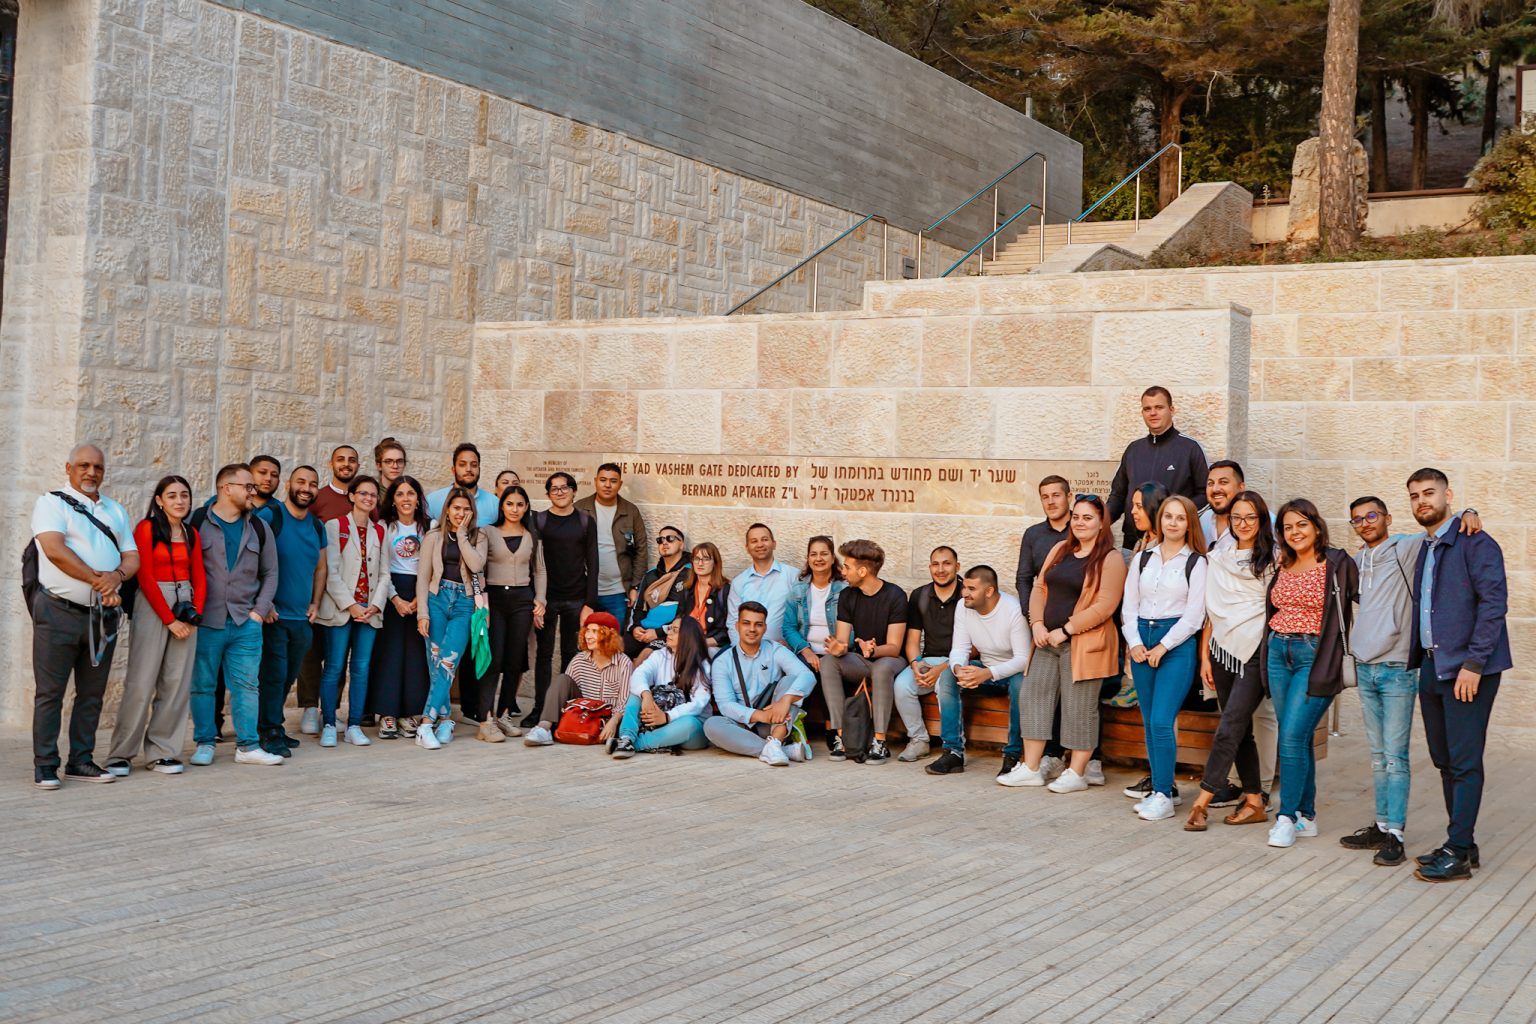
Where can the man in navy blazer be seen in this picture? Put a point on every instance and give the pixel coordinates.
(1460, 647)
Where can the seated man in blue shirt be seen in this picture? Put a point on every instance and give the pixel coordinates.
(759, 686)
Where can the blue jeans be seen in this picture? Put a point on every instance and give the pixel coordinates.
(449, 612)
(1160, 692)
(687, 731)
(952, 726)
(1290, 662)
(616, 605)
(283, 646)
(907, 704)
(357, 639)
(236, 649)
(1388, 691)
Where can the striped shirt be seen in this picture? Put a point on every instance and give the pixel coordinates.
(609, 685)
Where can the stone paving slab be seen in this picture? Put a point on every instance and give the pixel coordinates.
(503, 883)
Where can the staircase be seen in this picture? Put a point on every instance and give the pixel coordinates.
(1022, 255)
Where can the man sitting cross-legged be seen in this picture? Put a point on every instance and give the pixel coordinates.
(991, 624)
(758, 687)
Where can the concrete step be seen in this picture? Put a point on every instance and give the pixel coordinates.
(1022, 255)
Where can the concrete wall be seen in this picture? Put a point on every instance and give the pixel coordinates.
(1385, 218)
(1360, 374)
(772, 89)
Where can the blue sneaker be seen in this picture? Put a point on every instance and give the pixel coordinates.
(203, 755)
(444, 731)
(328, 736)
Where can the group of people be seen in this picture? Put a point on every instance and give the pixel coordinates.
(373, 587)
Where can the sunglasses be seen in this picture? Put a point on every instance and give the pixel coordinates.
(669, 540)
(1091, 498)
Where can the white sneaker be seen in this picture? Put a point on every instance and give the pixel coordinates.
(328, 736)
(1068, 782)
(256, 756)
(1155, 808)
(799, 752)
(356, 738)
(1051, 767)
(916, 750)
(1094, 776)
(309, 725)
(538, 736)
(1283, 832)
(1022, 775)
(1306, 828)
(773, 755)
(426, 738)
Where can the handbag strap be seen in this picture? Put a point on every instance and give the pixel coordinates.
(741, 680)
(1338, 604)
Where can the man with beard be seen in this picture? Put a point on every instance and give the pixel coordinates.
(299, 536)
(1223, 483)
(266, 474)
(1460, 647)
(466, 474)
(331, 501)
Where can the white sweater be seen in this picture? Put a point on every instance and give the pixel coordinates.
(1001, 637)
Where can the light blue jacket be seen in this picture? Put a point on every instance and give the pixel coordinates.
(797, 613)
(766, 671)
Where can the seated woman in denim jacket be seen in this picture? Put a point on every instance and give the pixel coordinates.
(669, 694)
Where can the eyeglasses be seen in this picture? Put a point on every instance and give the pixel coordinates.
(1243, 520)
(249, 488)
(391, 462)
(561, 489)
(1369, 517)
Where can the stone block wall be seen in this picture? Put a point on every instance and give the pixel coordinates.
(1359, 374)
(229, 236)
(1058, 386)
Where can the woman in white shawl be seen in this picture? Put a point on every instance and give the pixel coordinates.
(1237, 576)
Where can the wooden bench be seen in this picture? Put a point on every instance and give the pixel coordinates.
(986, 724)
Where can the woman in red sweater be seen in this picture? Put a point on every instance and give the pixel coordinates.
(152, 719)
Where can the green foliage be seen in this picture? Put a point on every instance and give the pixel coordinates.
(1249, 135)
(1507, 177)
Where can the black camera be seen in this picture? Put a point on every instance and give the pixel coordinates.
(186, 611)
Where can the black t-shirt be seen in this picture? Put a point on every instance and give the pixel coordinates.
(1063, 587)
(565, 545)
(872, 616)
(938, 626)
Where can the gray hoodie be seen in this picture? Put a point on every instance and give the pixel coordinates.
(250, 586)
(1383, 628)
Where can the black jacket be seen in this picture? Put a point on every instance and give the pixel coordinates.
(1034, 547)
(1171, 459)
(717, 615)
(1326, 678)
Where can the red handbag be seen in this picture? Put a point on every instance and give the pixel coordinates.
(581, 721)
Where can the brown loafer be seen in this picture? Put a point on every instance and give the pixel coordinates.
(1196, 822)
(1247, 814)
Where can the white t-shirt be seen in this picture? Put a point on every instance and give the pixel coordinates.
(609, 580)
(819, 626)
(404, 548)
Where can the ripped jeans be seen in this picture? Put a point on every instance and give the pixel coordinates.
(1388, 691)
(447, 638)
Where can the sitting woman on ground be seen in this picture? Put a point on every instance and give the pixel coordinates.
(157, 689)
(810, 614)
(1231, 645)
(398, 680)
(639, 641)
(706, 596)
(515, 586)
(600, 671)
(452, 556)
(351, 609)
(1162, 612)
(1072, 609)
(1308, 614)
(668, 695)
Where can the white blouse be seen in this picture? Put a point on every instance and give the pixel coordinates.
(1164, 590)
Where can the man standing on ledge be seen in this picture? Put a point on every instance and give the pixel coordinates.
(623, 554)
(1460, 648)
(1164, 456)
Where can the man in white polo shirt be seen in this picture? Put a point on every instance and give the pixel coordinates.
(85, 550)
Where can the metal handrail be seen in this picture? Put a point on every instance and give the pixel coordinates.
(811, 260)
(992, 187)
(1136, 174)
(976, 249)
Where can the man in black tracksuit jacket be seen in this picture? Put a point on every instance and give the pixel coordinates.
(1164, 456)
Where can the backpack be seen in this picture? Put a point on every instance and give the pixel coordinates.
(260, 525)
(1189, 564)
(29, 557)
(581, 721)
(346, 533)
(858, 724)
(275, 524)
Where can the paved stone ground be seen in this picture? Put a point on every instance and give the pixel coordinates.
(502, 883)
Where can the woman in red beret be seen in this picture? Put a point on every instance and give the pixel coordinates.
(600, 671)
